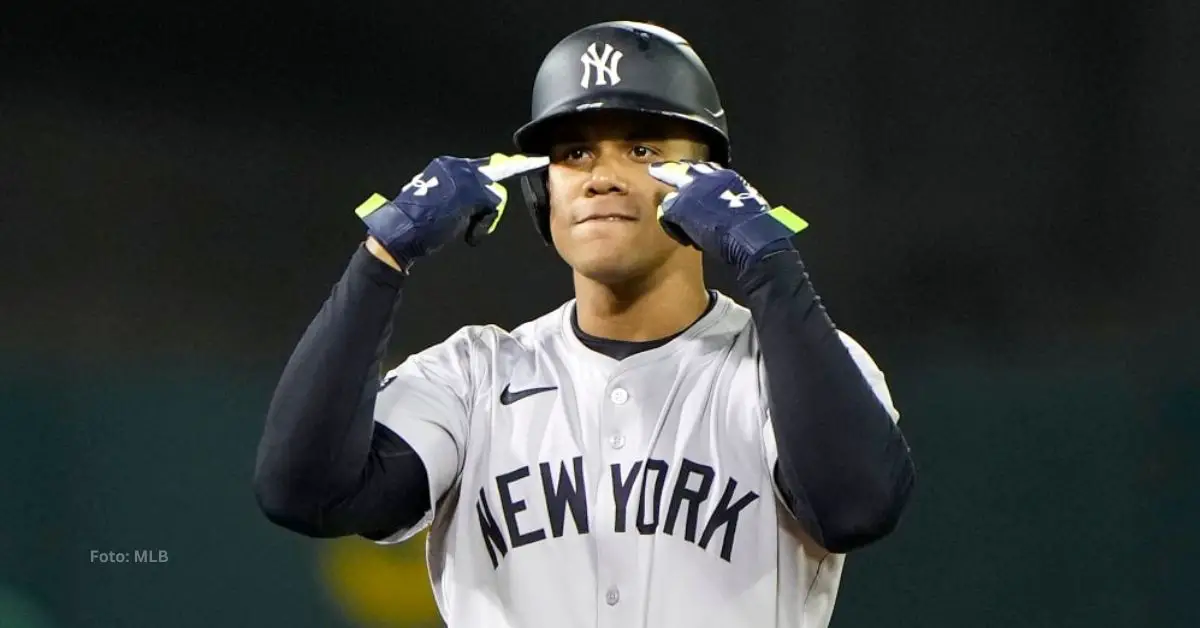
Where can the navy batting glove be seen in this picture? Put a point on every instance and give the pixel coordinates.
(453, 197)
(715, 210)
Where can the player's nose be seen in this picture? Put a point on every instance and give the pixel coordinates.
(604, 183)
(605, 178)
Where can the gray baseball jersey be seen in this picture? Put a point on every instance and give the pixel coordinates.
(572, 489)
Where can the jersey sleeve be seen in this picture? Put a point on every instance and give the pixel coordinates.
(870, 371)
(427, 400)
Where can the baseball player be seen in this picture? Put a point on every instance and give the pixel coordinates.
(650, 453)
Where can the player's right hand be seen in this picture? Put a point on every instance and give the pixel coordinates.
(453, 197)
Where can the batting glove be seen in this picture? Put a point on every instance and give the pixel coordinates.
(715, 210)
(451, 198)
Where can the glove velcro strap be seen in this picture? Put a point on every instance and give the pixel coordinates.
(763, 229)
(371, 205)
(388, 224)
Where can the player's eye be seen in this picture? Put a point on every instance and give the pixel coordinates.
(573, 155)
(642, 152)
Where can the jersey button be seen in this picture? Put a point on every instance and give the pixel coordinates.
(617, 441)
(612, 596)
(619, 396)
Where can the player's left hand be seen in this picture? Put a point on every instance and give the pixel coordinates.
(715, 210)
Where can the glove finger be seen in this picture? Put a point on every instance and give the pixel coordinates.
(500, 166)
(675, 232)
(480, 225)
(673, 173)
(484, 220)
(705, 167)
(498, 194)
(668, 200)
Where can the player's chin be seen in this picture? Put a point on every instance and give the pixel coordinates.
(606, 262)
(601, 243)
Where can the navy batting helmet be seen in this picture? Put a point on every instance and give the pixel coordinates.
(624, 66)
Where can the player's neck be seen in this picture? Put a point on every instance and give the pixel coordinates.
(657, 306)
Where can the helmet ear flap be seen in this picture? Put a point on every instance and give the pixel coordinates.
(537, 199)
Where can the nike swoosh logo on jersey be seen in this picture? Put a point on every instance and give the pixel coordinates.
(508, 397)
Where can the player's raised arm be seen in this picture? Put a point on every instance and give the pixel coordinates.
(340, 454)
(843, 466)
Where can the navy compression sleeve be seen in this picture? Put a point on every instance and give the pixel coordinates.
(325, 468)
(844, 467)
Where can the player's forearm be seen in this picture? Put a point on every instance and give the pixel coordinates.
(321, 458)
(842, 459)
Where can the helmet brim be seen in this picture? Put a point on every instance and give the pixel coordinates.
(537, 136)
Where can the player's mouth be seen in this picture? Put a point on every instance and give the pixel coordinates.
(607, 217)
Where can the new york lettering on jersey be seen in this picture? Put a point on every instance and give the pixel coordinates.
(564, 495)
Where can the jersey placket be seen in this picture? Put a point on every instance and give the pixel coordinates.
(622, 447)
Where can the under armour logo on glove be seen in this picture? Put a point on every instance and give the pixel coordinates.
(735, 200)
(715, 210)
(452, 196)
(421, 185)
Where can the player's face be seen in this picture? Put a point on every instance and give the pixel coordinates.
(604, 203)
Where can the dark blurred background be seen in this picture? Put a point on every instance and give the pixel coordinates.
(1003, 198)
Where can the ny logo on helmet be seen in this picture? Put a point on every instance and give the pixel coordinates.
(422, 186)
(604, 64)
